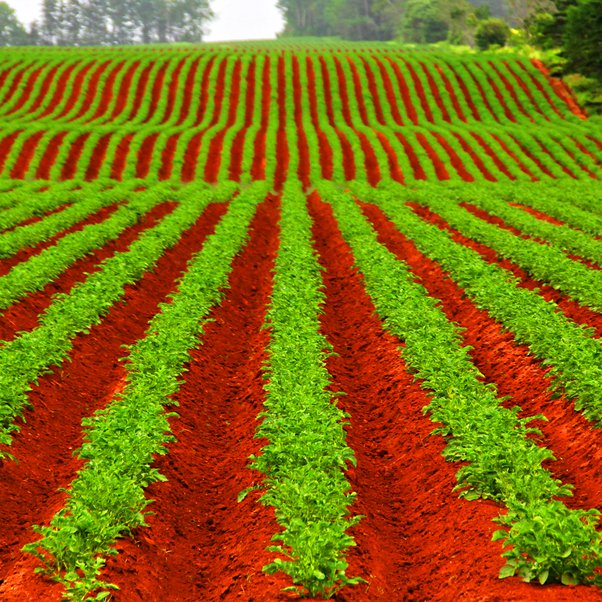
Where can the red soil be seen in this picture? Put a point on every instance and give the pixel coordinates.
(121, 98)
(202, 543)
(467, 95)
(259, 146)
(74, 93)
(562, 166)
(539, 214)
(435, 92)
(214, 158)
(404, 486)
(419, 173)
(6, 264)
(323, 143)
(24, 314)
(238, 144)
(6, 145)
(59, 92)
(189, 88)
(83, 385)
(28, 150)
(172, 94)
(304, 169)
(482, 93)
(282, 149)
(140, 92)
(50, 154)
(157, 91)
(98, 156)
(420, 92)
(28, 88)
(562, 90)
(454, 158)
(121, 156)
(539, 86)
(510, 89)
(493, 155)
(394, 169)
(219, 92)
(69, 170)
(14, 86)
(145, 155)
(526, 89)
(349, 166)
(572, 155)
(571, 309)
(498, 95)
(512, 369)
(374, 95)
(390, 92)
(167, 156)
(477, 160)
(533, 158)
(451, 93)
(370, 161)
(440, 168)
(512, 155)
(106, 94)
(405, 92)
(587, 152)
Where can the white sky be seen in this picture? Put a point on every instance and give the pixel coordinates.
(235, 19)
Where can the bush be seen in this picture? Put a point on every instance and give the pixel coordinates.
(492, 32)
(583, 38)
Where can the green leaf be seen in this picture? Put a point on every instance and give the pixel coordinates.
(543, 576)
(507, 570)
(569, 579)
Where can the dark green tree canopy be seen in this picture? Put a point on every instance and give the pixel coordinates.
(583, 38)
(12, 33)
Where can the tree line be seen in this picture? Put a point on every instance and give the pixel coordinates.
(108, 22)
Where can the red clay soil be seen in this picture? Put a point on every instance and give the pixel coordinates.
(492, 155)
(539, 86)
(562, 166)
(28, 150)
(59, 92)
(531, 156)
(513, 370)
(323, 143)
(121, 97)
(61, 399)
(73, 90)
(172, 93)
(405, 91)
(417, 540)
(370, 161)
(6, 145)
(420, 92)
(24, 254)
(189, 88)
(27, 90)
(539, 214)
(389, 91)
(304, 169)
(510, 89)
(374, 95)
(89, 92)
(477, 160)
(167, 155)
(282, 149)
(157, 90)
(106, 93)
(34, 219)
(419, 173)
(98, 157)
(204, 102)
(145, 155)
(586, 151)
(561, 89)
(465, 92)
(526, 89)
(121, 156)
(214, 157)
(259, 144)
(455, 160)
(502, 224)
(394, 170)
(571, 309)
(202, 544)
(238, 144)
(512, 155)
(140, 92)
(435, 92)
(24, 314)
(440, 168)
(501, 101)
(50, 154)
(14, 86)
(572, 155)
(69, 170)
(449, 90)
(482, 93)
(349, 166)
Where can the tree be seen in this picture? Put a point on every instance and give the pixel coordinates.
(12, 32)
(491, 32)
(424, 22)
(583, 38)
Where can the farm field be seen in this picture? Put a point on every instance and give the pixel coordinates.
(289, 319)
